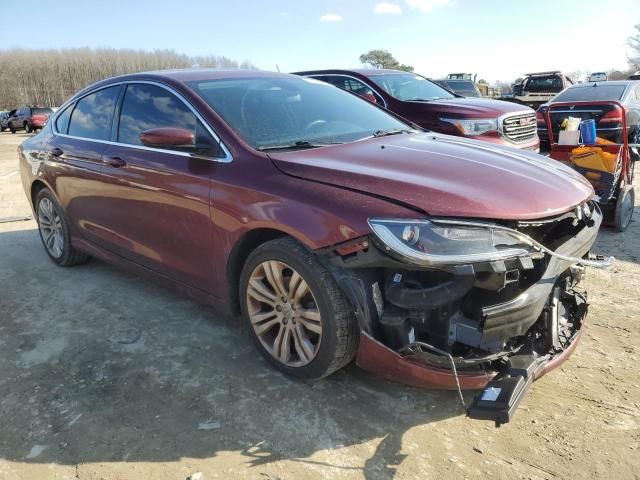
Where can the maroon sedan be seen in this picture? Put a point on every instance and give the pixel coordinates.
(433, 107)
(333, 227)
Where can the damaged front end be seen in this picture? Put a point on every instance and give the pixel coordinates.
(453, 304)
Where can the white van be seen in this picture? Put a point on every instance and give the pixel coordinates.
(598, 77)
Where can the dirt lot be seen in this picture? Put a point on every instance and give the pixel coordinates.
(106, 376)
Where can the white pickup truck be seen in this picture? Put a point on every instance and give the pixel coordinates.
(539, 88)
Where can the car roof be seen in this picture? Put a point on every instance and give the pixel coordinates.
(180, 76)
(199, 74)
(367, 72)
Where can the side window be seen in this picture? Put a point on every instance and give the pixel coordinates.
(62, 122)
(335, 81)
(359, 88)
(150, 106)
(93, 114)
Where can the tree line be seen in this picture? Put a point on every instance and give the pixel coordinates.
(48, 77)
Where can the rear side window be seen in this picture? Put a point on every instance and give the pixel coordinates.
(544, 84)
(41, 111)
(349, 84)
(149, 106)
(93, 114)
(62, 121)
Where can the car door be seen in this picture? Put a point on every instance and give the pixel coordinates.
(74, 154)
(158, 198)
(23, 116)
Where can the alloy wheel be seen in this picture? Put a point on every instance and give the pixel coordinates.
(626, 207)
(50, 225)
(284, 313)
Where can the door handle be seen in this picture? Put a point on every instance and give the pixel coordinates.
(115, 162)
(56, 152)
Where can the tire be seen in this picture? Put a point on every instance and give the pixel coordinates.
(52, 220)
(316, 346)
(13, 130)
(624, 208)
(27, 128)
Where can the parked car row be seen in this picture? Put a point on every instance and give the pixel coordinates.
(430, 106)
(336, 226)
(29, 119)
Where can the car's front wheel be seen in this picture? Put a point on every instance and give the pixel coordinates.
(27, 127)
(299, 318)
(54, 231)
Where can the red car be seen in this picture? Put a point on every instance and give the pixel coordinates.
(335, 229)
(29, 119)
(430, 106)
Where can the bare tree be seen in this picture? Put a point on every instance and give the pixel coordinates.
(634, 44)
(48, 77)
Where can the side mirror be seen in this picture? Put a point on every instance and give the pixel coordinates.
(167, 137)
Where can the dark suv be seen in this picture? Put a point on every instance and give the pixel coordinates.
(29, 118)
(432, 107)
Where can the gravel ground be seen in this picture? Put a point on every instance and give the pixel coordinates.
(107, 376)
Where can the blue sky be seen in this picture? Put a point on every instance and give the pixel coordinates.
(497, 39)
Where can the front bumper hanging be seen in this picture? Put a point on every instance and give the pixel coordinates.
(492, 327)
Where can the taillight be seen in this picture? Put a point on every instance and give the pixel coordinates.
(540, 117)
(614, 116)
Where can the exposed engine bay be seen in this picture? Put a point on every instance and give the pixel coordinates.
(504, 318)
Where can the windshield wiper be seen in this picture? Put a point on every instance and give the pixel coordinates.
(386, 133)
(299, 145)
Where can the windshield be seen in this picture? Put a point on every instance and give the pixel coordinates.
(599, 92)
(269, 112)
(549, 83)
(463, 87)
(410, 87)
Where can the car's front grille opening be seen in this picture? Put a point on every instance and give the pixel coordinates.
(520, 127)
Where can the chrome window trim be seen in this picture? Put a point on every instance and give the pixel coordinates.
(228, 158)
(317, 75)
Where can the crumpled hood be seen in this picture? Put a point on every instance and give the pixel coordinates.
(445, 176)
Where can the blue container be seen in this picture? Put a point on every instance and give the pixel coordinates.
(588, 131)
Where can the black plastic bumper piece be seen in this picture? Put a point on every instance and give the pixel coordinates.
(500, 399)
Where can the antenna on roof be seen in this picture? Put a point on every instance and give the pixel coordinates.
(277, 68)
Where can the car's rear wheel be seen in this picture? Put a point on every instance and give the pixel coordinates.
(624, 207)
(54, 231)
(299, 318)
(13, 130)
(27, 127)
